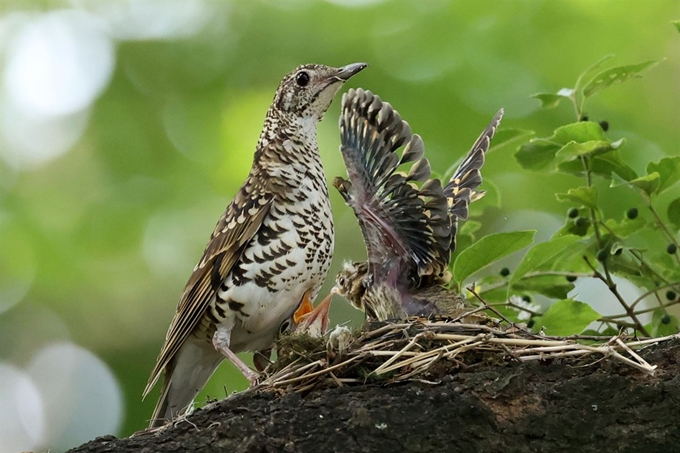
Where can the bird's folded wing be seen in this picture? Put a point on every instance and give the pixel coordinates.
(237, 226)
(406, 227)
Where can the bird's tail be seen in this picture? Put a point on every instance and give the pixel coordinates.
(184, 377)
(461, 190)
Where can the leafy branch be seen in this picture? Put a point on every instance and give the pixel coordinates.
(592, 243)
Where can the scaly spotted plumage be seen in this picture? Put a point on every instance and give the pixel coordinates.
(270, 250)
(409, 229)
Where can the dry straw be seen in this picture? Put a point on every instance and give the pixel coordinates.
(417, 349)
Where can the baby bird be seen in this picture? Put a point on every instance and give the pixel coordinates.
(409, 230)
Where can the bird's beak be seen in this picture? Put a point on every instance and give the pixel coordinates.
(303, 310)
(345, 72)
(315, 322)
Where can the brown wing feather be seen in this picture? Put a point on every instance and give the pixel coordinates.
(234, 230)
(406, 228)
(462, 189)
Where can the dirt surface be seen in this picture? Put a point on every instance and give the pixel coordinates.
(533, 407)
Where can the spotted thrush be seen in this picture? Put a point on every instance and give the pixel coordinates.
(409, 229)
(269, 252)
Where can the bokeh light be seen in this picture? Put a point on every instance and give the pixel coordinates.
(65, 396)
(58, 63)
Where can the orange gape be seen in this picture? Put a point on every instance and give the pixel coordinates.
(304, 308)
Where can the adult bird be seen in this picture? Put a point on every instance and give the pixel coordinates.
(409, 229)
(270, 250)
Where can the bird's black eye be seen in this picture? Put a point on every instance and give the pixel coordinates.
(284, 326)
(302, 79)
(341, 281)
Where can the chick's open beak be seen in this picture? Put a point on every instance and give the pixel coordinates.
(304, 309)
(315, 322)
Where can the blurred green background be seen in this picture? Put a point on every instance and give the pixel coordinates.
(127, 126)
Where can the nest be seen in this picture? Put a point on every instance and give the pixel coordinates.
(426, 350)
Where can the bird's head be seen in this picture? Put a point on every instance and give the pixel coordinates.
(351, 282)
(308, 91)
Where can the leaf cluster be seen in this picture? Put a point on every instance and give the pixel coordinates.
(592, 243)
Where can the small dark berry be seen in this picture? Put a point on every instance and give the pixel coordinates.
(505, 272)
(581, 222)
(604, 125)
(602, 255)
(584, 118)
(632, 213)
(526, 299)
(572, 213)
(571, 278)
(670, 295)
(531, 323)
(666, 319)
(672, 248)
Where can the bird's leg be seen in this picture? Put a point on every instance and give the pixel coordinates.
(221, 341)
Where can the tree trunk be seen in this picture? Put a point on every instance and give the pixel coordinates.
(531, 407)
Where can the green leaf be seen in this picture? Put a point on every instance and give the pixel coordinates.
(577, 227)
(587, 75)
(674, 213)
(567, 317)
(553, 286)
(538, 154)
(488, 250)
(617, 247)
(626, 227)
(606, 164)
(571, 167)
(641, 276)
(668, 169)
(541, 253)
(549, 100)
(677, 24)
(666, 265)
(586, 196)
(541, 154)
(648, 183)
(494, 295)
(581, 132)
(663, 324)
(614, 76)
(571, 260)
(573, 150)
(507, 136)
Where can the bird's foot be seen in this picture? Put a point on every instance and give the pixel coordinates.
(249, 374)
(252, 376)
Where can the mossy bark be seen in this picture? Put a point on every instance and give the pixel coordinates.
(530, 407)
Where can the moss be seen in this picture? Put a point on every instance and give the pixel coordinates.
(291, 347)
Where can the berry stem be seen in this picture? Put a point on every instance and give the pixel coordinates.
(612, 287)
